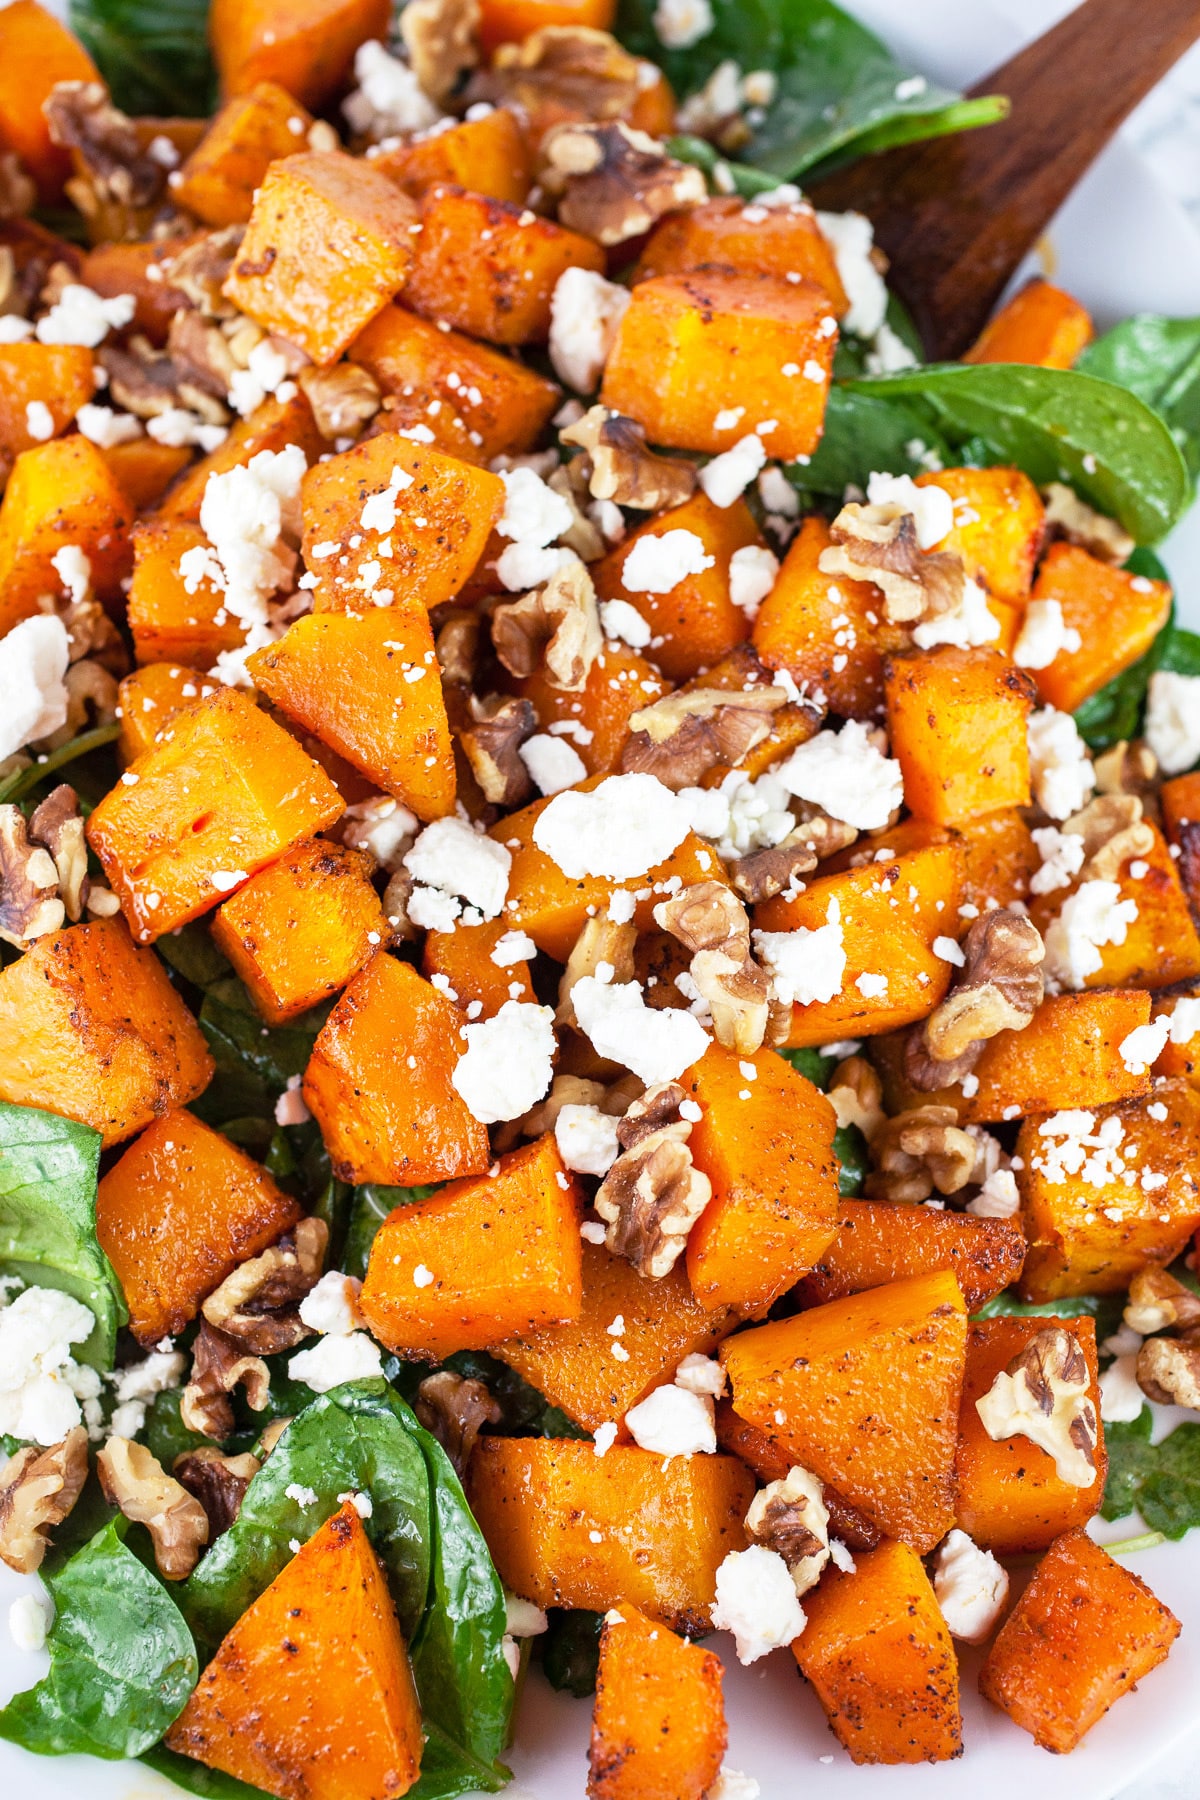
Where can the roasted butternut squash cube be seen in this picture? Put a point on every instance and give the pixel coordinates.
(1000, 858)
(619, 683)
(59, 494)
(481, 1260)
(1159, 945)
(1011, 1498)
(784, 241)
(169, 621)
(658, 1724)
(271, 426)
(771, 1461)
(508, 21)
(477, 402)
(881, 1660)
(368, 684)
(569, 1528)
(144, 470)
(42, 386)
(1085, 1631)
(177, 1214)
(490, 269)
(957, 722)
(307, 48)
(224, 792)
(765, 1141)
(149, 698)
(487, 156)
(1090, 1229)
(700, 360)
(389, 1117)
(1116, 615)
(878, 1241)
(330, 242)
(311, 1696)
(1041, 324)
(249, 132)
(869, 1391)
(467, 958)
(36, 53)
(96, 1032)
(999, 524)
(116, 268)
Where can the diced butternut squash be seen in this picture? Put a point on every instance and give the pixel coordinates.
(369, 685)
(306, 48)
(700, 360)
(36, 52)
(574, 1365)
(1041, 324)
(330, 242)
(765, 1141)
(1090, 1229)
(42, 387)
(378, 1082)
(488, 156)
(881, 1660)
(1180, 801)
(466, 958)
(658, 1725)
(784, 241)
(149, 698)
(619, 683)
(1160, 946)
(169, 622)
(60, 494)
(477, 402)
(136, 268)
(869, 1390)
(878, 1242)
(771, 1461)
(250, 132)
(1001, 858)
(957, 723)
(489, 268)
(480, 1261)
(95, 1032)
(1116, 615)
(144, 470)
(508, 21)
(310, 1696)
(1085, 1631)
(1011, 1498)
(272, 426)
(999, 523)
(569, 1528)
(177, 1214)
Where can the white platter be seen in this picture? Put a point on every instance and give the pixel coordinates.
(1123, 245)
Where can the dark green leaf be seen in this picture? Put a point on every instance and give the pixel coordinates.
(1158, 360)
(864, 435)
(190, 951)
(814, 1065)
(570, 1650)
(368, 1209)
(1106, 1309)
(48, 1237)
(153, 54)
(23, 781)
(1160, 1481)
(197, 1778)
(253, 1061)
(854, 1162)
(524, 1412)
(747, 181)
(122, 1662)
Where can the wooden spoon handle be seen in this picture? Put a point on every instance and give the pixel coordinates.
(957, 215)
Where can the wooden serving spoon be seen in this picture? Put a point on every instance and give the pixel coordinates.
(957, 215)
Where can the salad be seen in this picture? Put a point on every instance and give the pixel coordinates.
(599, 876)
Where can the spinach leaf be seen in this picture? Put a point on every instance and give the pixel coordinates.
(153, 54)
(253, 1062)
(524, 1411)
(863, 435)
(854, 1162)
(190, 951)
(1160, 1481)
(48, 1170)
(570, 1649)
(1106, 1309)
(1158, 360)
(369, 1207)
(813, 1064)
(841, 93)
(21, 783)
(746, 180)
(1057, 425)
(122, 1662)
(197, 1778)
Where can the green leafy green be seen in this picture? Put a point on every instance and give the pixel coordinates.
(570, 1651)
(190, 952)
(1158, 360)
(746, 180)
(22, 782)
(863, 435)
(48, 1169)
(1106, 1309)
(841, 93)
(153, 54)
(253, 1062)
(1160, 1481)
(854, 1162)
(524, 1412)
(122, 1661)
(369, 1207)
(813, 1064)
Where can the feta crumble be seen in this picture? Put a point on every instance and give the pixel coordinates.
(967, 625)
(701, 1375)
(1173, 720)
(726, 477)
(508, 1063)
(33, 662)
(673, 1421)
(39, 1378)
(102, 426)
(1044, 636)
(678, 24)
(351, 1356)
(331, 1307)
(931, 507)
(655, 1044)
(80, 316)
(1063, 854)
(617, 831)
(389, 99)
(757, 1602)
(753, 571)
(1141, 1049)
(29, 1620)
(1059, 764)
(971, 1588)
(1094, 916)
(552, 763)
(998, 1198)
(658, 562)
(806, 966)
(585, 313)
(587, 1140)
(462, 865)
(843, 773)
(39, 421)
(851, 236)
(619, 619)
(1121, 1397)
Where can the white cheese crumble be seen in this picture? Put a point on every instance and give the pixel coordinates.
(29, 1620)
(806, 966)
(351, 1356)
(388, 99)
(180, 429)
(727, 476)
(1063, 854)
(40, 1382)
(843, 773)
(851, 236)
(1094, 916)
(290, 1108)
(533, 513)
(673, 1421)
(678, 24)
(753, 571)
(587, 1140)
(931, 507)
(603, 1438)
(617, 831)
(658, 562)
(331, 1307)
(513, 947)
(1141, 1049)
(1059, 764)
(244, 514)
(967, 625)
(462, 865)
(656, 1044)
(508, 1063)
(80, 316)
(1185, 1020)
(1121, 1398)
(266, 372)
(998, 1198)
(382, 826)
(971, 1588)
(585, 312)
(1044, 636)
(39, 421)
(140, 1382)
(701, 1375)
(33, 662)
(102, 426)
(303, 1496)
(757, 1602)
(74, 570)
(731, 1784)
(552, 763)
(1173, 720)
(620, 619)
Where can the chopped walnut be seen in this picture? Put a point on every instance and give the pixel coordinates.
(58, 824)
(764, 873)
(569, 481)
(455, 1410)
(621, 467)
(38, 1488)
(681, 737)
(1168, 1370)
(441, 37)
(856, 1096)
(879, 543)
(999, 988)
(18, 192)
(601, 943)
(218, 1482)
(1113, 832)
(920, 1151)
(571, 70)
(556, 627)
(1128, 768)
(201, 355)
(30, 904)
(576, 1090)
(199, 268)
(458, 636)
(790, 1517)
(91, 693)
(712, 923)
(1157, 1302)
(117, 172)
(614, 182)
(1067, 516)
(343, 398)
(136, 1482)
(653, 1194)
(257, 1305)
(271, 1434)
(219, 1363)
(148, 382)
(491, 743)
(1043, 1395)
(91, 634)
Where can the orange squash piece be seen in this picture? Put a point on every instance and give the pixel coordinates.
(1011, 1498)
(480, 1261)
(658, 1724)
(177, 1214)
(329, 242)
(1000, 858)
(272, 426)
(957, 723)
(378, 1082)
(113, 268)
(248, 133)
(94, 1031)
(1041, 324)
(465, 958)
(765, 1141)
(770, 1461)
(170, 624)
(1085, 1631)
(59, 493)
(489, 155)
(881, 1660)
(1116, 614)
(508, 21)
(784, 241)
(878, 1241)
(144, 470)
(56, 377)
(307, 48)
(869, 1390)
(999, 524)
(619, 683)
(36, 52)
(694, 351)
(569, 1528)
(310, 1696)
(149, 698)
(1161, 945)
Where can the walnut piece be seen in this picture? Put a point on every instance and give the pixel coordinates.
(681, 737)
(764, 873)
(856, 1096)
(710, 921)
(219, 1363)
(458, 635)
(455, 1410)
(30, 904)
(148, 382)
(18, 192)
(136, 1482)
(38, 1488)
(58, 825)
(441, 37)
(1157, 1302)
(1043, 1395)
(621, 467)
(1168, 1370)
(343, 398)
(1128, 768)
(790, 1517)
(1113, 832)
(998, 988)
(555, 627)
(569, 481)
(602, 942)
(614, 182)
(879, 543)
(117, 172)
(500, 724)
(218, 1482)
(199, 267)
(1067, 516)
(653, 1194)
(257, 1305)
(571, 70)
(920, 1151)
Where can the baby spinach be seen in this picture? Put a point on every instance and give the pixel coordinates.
(122, 1661)
(198, 1778)
(254, 1063)
(814, 1065)
(1104, 1308)
(48, 1169)
(854, 1162)
(1158, 360)
(570, 1651)
(153, 54)
(369, 1207)
(22, 782)
(1160, 1481)
(864, 435)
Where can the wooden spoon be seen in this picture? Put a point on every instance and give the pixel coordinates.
(957, 215)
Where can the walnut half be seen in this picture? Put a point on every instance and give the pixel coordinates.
(218, 1482)
(1157, 1302)
(1168, 1370)
(710, 921)
(614, 182)
(257, 1304)
(136, 1482)
(681, 737)
(790, 1517)
(879, 543)
(920, 1151)
(620, 466)
(653, 1194)
(38, 1488)
(30, 904)
(999, 988)
(555, 627)
(219, 1363)
(1043, 1395)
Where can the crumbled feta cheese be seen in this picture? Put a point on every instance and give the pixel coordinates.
(603, 1438)
(508, 1063)
(843, 773)
(727, 476)
(701, 1375)
(1059, 765)
(1063, 854)
(679, 24)
(759, 816)
(141, 1381)
(29, 1620)
(998, 1198)
(971, 1588)
(658, 562)
(331, 1307)
(33, 661)
(290, 1108)
(618, 619)
(39, 421)
(618, 831)
(1121, 1398)
(552, 764)
(587, 1140)
(968, 625)
(851, 236)
(266, 372)
(888, 355)
(388, 100)
(731, 1784)
(80, 316)
(337, 1358)
(950, 950)
(521, 567)
(74, 570)
(303, 1496)
(363, 1504)
(1044, 635)
(1141, 1049)
(180, 429)
(1185, 1020)
(382, 826)
(1094, 916)
(656, 1044)
(14, 329)
(513, 947)
(757, 1602)
(38, 1401)
(533, 513)
(673, 1421)
(931, 507)
(457, 861)
(522, 1618)
(806, 966)
(777, 493)
(1173, 720)
(753, 571)
(244, 514)
(585, 312)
